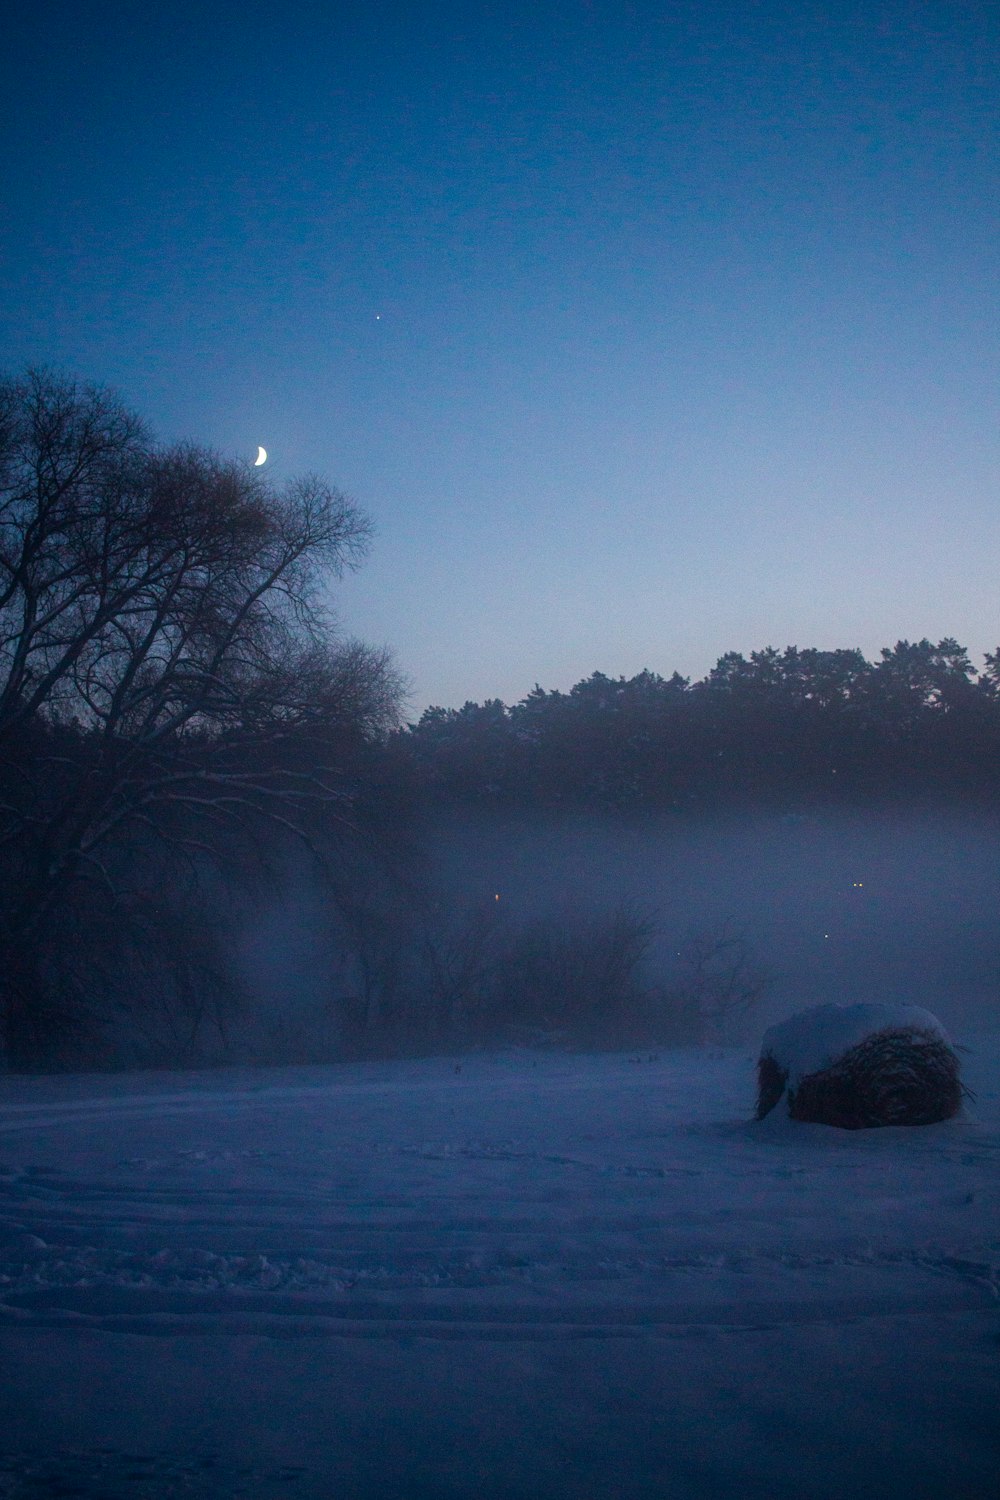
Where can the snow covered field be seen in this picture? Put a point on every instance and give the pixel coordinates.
(512, 1276)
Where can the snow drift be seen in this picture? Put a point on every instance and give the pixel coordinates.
(513, 1275)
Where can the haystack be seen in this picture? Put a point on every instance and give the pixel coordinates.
(858, 1066)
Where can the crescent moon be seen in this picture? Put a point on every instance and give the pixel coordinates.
(261, 457)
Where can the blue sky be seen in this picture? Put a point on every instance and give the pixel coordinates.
(643, 331)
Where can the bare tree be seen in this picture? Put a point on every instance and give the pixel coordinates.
(169, 669)
(717, 986)
(581, 971)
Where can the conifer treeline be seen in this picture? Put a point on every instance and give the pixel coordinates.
(792, 725)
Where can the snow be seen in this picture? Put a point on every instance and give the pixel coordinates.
(511, 1276)
(814, 1039)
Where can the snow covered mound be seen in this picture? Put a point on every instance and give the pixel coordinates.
(860, 1065)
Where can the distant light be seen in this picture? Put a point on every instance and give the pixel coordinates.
(496, 898)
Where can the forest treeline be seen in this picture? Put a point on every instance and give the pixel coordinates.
(796, 727)
(186, 737)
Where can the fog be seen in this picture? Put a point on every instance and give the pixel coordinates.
(887, 904)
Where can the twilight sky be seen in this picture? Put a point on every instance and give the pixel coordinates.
(644, 331)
